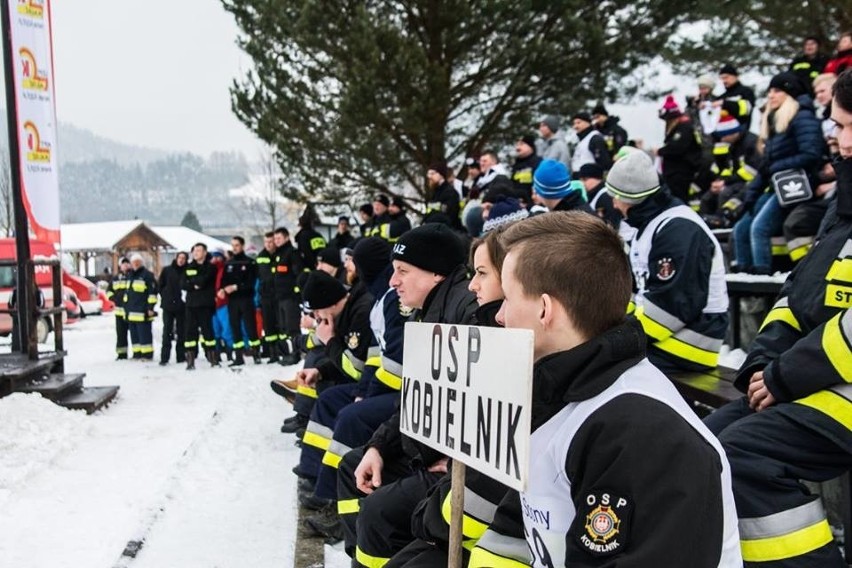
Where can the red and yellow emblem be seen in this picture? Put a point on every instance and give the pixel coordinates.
(33, 78)
(36, 151)
(602, 524)
(31, 8)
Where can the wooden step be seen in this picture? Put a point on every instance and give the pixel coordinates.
(54, 385)
(89, 399)
(15, 367)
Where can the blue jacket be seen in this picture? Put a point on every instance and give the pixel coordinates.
(800, 146)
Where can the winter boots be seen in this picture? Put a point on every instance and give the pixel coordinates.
(190, 361)
(239, 360)
(291, 354)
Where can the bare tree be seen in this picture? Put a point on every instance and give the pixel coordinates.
(263, 207)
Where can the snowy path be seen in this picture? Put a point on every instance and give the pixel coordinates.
(193, 462)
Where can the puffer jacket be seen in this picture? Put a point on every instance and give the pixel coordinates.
(800, 146)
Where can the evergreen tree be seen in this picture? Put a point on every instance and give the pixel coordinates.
(191, 221)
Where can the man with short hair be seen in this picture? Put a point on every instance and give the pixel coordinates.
(679, 290)
(380, 218)
(308, 240)
(793, 424)
(554, 146)
(526, 162)
(591, 148)
(287, 265)
(595, 484)
(367, 217)
(199, 281)
(116, 292)
(613, 133)
(238, 283)
(399, 222)
(140, 300)
(380, 485)
(174, 308)
(810, 63)
(268, 301)
(443, 202)
(737, 100)
(343, 239)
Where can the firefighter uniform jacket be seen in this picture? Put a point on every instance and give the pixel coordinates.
(807, 69)
(384, 359)
(346, 352)
(739, 102)
(805, 343)
(680, 294)
(240, 271)
(140, 295)
(266, 273)
(599, 494)
(286, 264)
(310, 242)
(199, 281)
(116, 291)
(449, 302)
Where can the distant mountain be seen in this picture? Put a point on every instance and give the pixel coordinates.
(81, 145)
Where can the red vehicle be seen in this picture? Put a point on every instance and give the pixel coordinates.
(43, 280)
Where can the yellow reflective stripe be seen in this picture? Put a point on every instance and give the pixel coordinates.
(317, 243)
(315, 440)
(840, 270)
(802, 65)
(799, 252)
(471, 527)
(789, 545)
(190, 343)
(139, 287)
(375, 361)
(152, 299)
(135, 317)
(389, 379)
(721, 149)
(656, 330)
(481, 558)
(743, 107)
(309, 342)
(349, 368)
(263, 260)
(783, 314)
(348, 506)
(838, 296)
(631, 307)
(689, 352)
(191, 272)
(837, 348)
(306, 391)
(832, 405)
(331, 459)
(746, 172)
(369, 561)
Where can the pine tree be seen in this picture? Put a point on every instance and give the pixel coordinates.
(191, 221)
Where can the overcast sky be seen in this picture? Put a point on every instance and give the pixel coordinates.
(150, 72)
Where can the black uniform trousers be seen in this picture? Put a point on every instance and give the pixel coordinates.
(337, 426)
(378, 525)
(770, 452)
(142, 338)
(199, 318)
(269, 313)
(241, 310)
(121, 331)
(288, 323)
(173, 330)
(422, 554)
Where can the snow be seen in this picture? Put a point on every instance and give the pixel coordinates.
(192, 462)
(184, 238)
(95, 236)
(777, 278)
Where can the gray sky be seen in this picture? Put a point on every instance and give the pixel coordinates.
(150, 72)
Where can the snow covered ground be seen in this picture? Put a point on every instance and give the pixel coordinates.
(192, 462)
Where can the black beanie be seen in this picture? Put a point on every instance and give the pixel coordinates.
(371, 256)
(582, 115)
(728, 69)
(440, 168)
(322, 290)
(789, 83)
(433, 247)
(330, 255)
(529, 140)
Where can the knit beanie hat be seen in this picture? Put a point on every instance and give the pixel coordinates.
(552, 122)
(600, 109)
(670, 108)
(398, 202)
(789, 83)
(382, 198)
(505, 210)
(590, 170)
(367, 209)
(330, 255)
(708, 81)
(371, 257)
(322, 290)
(529, 140)
(633, 178)
(727, 125)
(728, 69)
(433, 247)
(440, 168)
(552, 180)
(582, 115)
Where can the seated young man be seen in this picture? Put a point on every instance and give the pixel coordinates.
(378, 486)
(622, 472)
(680, 294)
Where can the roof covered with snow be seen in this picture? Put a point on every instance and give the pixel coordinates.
(96, 236)
(111, 235)
(183, 238)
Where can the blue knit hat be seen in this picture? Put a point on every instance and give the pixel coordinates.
(552, 180)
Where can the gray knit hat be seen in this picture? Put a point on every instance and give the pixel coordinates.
(552, 122)
(633, 178)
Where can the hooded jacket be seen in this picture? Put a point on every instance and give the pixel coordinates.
(169, 284)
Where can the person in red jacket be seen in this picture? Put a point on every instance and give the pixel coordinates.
(843, 59)
(221, 322)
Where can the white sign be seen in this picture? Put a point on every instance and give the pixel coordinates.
(32, 55)
(467, 392)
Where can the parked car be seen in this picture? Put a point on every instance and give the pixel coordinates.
(86, 291)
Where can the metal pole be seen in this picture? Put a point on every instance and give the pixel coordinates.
(456, 514)
(22, 232)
